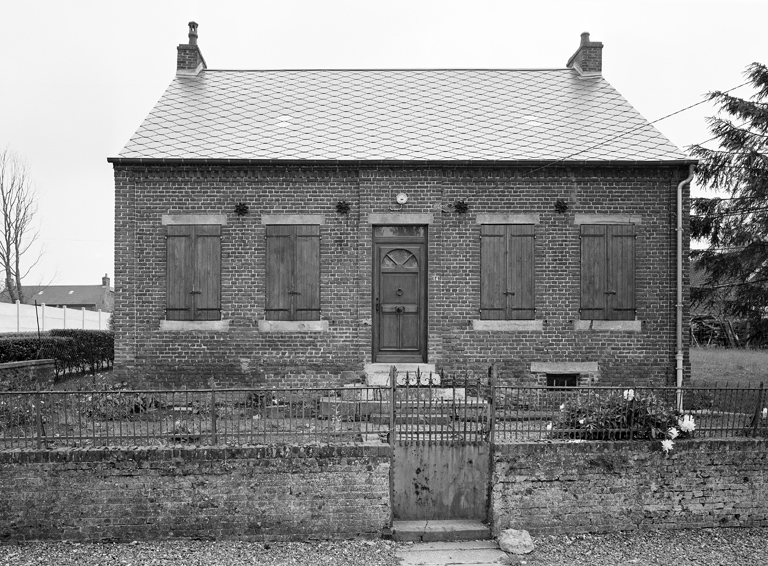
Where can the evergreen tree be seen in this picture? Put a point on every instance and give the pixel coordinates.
(735, 225)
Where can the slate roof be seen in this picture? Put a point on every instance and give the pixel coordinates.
(408, 115)
(81, 295)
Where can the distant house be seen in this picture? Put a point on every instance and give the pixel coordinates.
(89, 297)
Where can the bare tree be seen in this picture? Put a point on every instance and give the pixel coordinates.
(18, 205)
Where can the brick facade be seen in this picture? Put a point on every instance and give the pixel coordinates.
(261, 493)
(610, 486)
(242, 355)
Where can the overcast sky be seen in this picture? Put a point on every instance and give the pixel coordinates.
(78, 77)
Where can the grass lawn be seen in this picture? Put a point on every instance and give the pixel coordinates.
(728, 366)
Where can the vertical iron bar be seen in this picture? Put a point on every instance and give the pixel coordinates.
(758, 406)
(39, 420)
(392, 385)
(492, 408)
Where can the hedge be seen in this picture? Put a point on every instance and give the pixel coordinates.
(74, 351)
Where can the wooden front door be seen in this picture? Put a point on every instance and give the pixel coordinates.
(400, 294)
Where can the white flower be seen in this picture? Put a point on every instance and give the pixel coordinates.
(629, 394)
(672, 433)
(686, 423)
(667, 445)
(582, 421)
(562, 407)
(549, 426)
(765, 412)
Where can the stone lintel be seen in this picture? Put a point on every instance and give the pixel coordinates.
(607, 219)
(293, 219)
(508, 219)
(170, 219)
(387, 219)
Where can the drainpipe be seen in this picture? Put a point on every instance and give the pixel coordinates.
(679, 329)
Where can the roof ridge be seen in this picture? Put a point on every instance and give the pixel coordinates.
(388, 69)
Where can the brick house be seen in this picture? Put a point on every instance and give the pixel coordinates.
(313, 227)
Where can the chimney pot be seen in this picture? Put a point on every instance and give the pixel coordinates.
(588, 59)
(105, 281)
(189, 59)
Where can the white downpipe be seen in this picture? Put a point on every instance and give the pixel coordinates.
(679, 322)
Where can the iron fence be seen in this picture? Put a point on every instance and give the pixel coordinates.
(417, 409)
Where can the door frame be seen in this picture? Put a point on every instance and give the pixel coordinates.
(422, 241)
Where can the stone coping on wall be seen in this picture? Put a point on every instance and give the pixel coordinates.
(205, 453)
(27, 363)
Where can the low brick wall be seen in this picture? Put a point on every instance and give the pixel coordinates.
(609, 486)
(259, 493)
(27, 376)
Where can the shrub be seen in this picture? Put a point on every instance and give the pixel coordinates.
(615, 416)
(86, 350)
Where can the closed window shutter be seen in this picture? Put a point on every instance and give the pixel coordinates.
(520, 282)
(493, 272)
(608, 272)
(593, 272)
(621, 272)
(193, 277)
(307, 280)
(507, 284)
(293, 272)
(179, 272)
(279, 272)
(207, 298)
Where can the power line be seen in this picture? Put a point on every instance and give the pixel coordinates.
(641, 126)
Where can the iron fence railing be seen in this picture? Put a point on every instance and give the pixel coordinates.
(424, 410)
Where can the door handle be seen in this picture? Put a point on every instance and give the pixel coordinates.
(195, 292)
(398, 310)
(610, 292)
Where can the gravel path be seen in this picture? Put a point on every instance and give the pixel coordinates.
(699, 547)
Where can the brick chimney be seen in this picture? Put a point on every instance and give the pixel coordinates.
(105, 281)
(588, 59)
(189, 60)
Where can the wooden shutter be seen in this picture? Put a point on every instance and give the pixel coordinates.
(307, 273)
(621, 272)
(520, 279)
(608, 272)
(593, 272)
(179, 273)
(507, 285)
(207, 291)
(293, 272)
(193, 272)
(279, 272)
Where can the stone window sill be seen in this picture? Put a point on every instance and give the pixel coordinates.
(609, 325)
(293, 326)
(187, 325)
(508, 325)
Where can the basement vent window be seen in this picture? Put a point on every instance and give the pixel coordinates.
(562, 380)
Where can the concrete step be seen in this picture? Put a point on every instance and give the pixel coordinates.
(444, 530)
(378, 374)
(476, 553)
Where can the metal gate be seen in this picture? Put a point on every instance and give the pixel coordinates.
(441, 443)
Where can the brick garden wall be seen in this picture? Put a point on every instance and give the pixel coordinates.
(263, 493)
(245, 356)
(609, 486)
(27, 376)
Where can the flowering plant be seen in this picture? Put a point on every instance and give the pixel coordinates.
(621, 415)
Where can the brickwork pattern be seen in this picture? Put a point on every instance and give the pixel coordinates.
(604, 486)
(244, 356)
(260, 493)
(27, 376)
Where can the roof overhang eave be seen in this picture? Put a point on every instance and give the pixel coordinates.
(398, 162)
